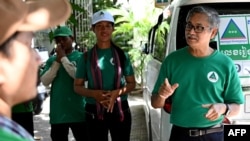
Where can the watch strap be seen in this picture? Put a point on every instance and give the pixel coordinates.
(227, 110)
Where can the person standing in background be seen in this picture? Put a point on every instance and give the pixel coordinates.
(19, 63)
(201, 82)
(67, 109)
(110, 76)
(23, 115)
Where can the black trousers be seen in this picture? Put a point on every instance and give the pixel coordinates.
(25, 119)
(60, 132)
(98, 129)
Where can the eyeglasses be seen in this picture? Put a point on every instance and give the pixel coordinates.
(197, 29)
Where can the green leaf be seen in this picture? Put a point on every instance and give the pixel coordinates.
(77, 7)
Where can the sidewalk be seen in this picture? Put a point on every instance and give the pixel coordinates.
(138, 132)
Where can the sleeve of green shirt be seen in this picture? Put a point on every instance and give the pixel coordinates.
(50, 71)
(233, 92)
(128, 67)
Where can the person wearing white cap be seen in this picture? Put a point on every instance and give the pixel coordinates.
(19, 63)
(110, 76)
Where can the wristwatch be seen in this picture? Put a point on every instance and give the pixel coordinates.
(227, 110)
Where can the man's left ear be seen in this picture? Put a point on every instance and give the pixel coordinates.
(214, 33)
(72, 38)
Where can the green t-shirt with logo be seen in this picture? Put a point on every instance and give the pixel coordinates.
(65, 105)
(107, 67)
(207, 80)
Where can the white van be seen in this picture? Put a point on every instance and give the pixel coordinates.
(233, 40)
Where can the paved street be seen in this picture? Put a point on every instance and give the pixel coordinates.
(138, 133)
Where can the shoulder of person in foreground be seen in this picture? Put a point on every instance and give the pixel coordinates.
(8, 136)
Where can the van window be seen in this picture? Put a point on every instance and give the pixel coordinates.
(160, 41)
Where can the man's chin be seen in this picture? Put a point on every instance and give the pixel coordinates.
(32, 95)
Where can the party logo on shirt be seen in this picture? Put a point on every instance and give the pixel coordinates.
(112, 61)
(212, 76)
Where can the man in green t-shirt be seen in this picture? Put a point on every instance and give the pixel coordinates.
(201, 82)
(23, 115)
(67, 109)
(19, 63)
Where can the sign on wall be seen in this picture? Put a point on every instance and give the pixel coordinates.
(161, 3)
(234, 41)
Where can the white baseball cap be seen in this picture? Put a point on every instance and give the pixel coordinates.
(102, 16)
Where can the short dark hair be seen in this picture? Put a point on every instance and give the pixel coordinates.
(212, 14)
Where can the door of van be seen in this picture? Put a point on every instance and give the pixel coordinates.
(156, 48)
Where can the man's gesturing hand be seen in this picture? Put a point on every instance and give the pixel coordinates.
(167, 89)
